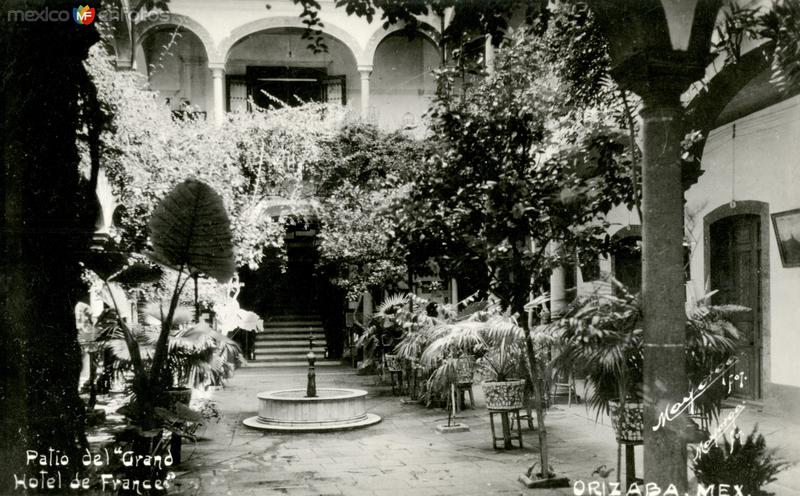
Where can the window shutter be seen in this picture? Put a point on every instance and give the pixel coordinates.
(334, 89)
(237, 95)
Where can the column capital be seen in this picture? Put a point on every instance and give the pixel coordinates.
(659, 77)
(217, 69)
(365, 70)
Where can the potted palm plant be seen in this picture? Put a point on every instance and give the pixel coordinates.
(600, 338)
(501, 367)
(482, 336)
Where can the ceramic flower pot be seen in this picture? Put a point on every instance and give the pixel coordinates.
(504, 395)
(178, 395)
(465, 369)
(628, 422)
(393, 363)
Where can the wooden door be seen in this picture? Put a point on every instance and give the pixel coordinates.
(628, 264)
(735, 272)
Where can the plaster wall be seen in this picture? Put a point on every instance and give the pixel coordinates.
(178, 72)
(402, 83)
(760, 164)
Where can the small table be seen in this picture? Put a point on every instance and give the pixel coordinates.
(630, 461)
(507, 427)
(461, 388)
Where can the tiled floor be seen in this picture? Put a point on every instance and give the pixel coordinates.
(403, 454)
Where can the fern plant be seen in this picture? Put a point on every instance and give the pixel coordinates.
(748, 464)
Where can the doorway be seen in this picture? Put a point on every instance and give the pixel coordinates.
(288, 286)
(735, 272)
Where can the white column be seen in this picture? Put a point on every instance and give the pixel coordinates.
(218, 76)
(105, 198)
(365, 71)
(488, 56)
(454, 291)
(558, 288)
(368, 307)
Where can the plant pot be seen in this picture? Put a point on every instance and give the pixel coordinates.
(628, 422)
(465, 369)
(504, 395)
(393, 363)
(178, 395)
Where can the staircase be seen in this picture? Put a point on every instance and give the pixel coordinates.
(284, 342)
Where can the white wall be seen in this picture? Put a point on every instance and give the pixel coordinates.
(766, 168)
(181, 71)
(402, 82)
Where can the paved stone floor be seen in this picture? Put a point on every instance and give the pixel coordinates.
(403, 454)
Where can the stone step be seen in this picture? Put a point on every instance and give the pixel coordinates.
(293, 343)
(263, 350)
(297, 329)
(289, 337)
(293, 323)
(272, 357)
(257, 363)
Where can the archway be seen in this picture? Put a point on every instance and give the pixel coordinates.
(402, 82)
(175, 60)
(274, 67)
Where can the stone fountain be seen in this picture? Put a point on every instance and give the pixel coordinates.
(312, 409)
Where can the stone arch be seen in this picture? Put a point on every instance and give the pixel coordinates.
(704, 109)
(746, 207)
(368, 55)
(629, 231)
(183, 22)
(267, 23)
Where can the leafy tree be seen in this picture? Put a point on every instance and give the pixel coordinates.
(520, 169)
(361, 180)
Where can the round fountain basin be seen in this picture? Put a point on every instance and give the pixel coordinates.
(331, 409)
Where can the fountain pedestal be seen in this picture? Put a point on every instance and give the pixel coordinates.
(331, 409)
(324, 409)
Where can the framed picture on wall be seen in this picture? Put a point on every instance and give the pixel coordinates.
(787, 232)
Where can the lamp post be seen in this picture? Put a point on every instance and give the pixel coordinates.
(658, 48)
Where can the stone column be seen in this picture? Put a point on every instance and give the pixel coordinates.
(218, 77)
(368, 307)
(558, 287)
(558, 292)
(488, 56)
(454, 291)
(365, 71)
(663, 292)
(105, 198)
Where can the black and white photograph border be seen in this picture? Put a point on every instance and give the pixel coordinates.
(424, 247)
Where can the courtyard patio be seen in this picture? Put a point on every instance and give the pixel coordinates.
(404, 454)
